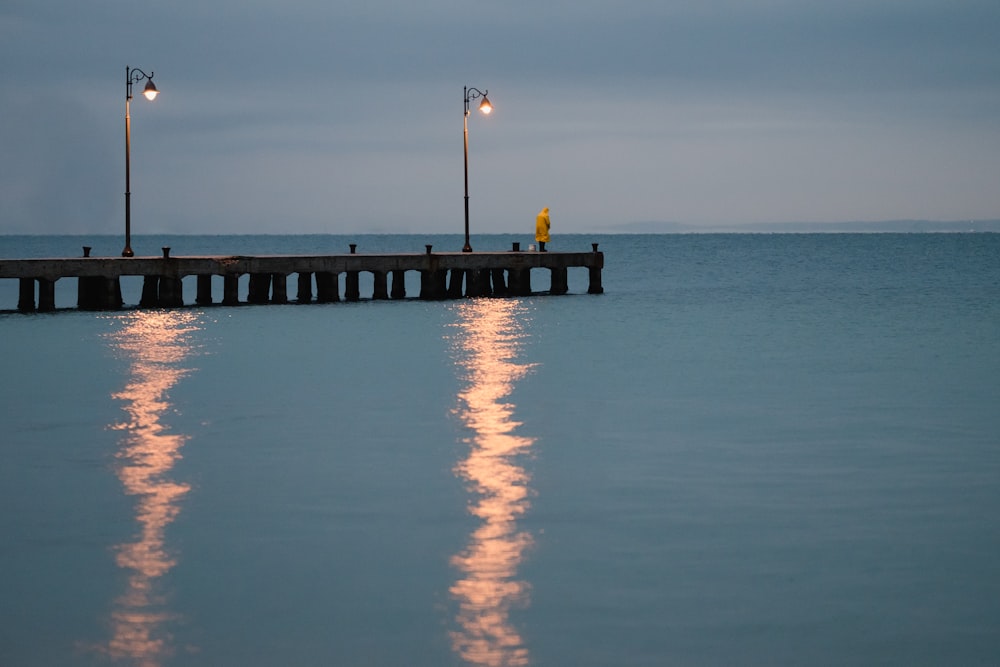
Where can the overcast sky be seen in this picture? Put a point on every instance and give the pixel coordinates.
(305, 116)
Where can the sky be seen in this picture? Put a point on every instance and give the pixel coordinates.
(327, 116)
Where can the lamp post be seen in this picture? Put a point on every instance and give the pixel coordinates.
(486, 108)
(132, 75)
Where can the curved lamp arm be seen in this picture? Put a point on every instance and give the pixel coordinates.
(135, 75)
(472, 93)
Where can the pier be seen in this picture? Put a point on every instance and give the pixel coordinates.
(318, 278)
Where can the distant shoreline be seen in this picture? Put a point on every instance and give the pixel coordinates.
(876, 227)
(884, 226)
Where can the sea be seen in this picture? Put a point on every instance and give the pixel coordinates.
(751, 449)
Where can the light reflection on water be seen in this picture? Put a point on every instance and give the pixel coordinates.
(488, 588)
(157, 345)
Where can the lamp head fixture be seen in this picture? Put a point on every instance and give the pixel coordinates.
(135, 75)
(150, 92)
(485, 106)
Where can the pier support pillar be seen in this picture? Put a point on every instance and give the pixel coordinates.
(398, 284)
(595, 281)
(519, 282)
(595, 273)
(513, 282)
(352, 291)
(499, 282)
(26, 295)
(455, 285)
(231, 289)
(171, 292)
(560, 280)
(477, 282)
(381, 290)
(279, 288)
(99, 293)
(204, 294)
(87, 289)
(304, 292)
(111, 294)
(327, 287)
(46, 295)
(260, 287)
(433, 284)
(150, 292)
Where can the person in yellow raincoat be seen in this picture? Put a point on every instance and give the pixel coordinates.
(542, 225)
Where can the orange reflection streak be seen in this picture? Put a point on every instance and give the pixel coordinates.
(156, 342)
(488, 589)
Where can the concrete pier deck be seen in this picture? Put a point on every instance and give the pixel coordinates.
(443, 275)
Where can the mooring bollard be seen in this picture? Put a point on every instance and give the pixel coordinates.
(428, 246)
(86, 251)
(516, 247)
(354, 247)
(166, 252)
(595, 246)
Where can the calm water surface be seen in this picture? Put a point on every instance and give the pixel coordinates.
(751, 450)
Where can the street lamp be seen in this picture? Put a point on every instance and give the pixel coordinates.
(132, 75)
(486, 108)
